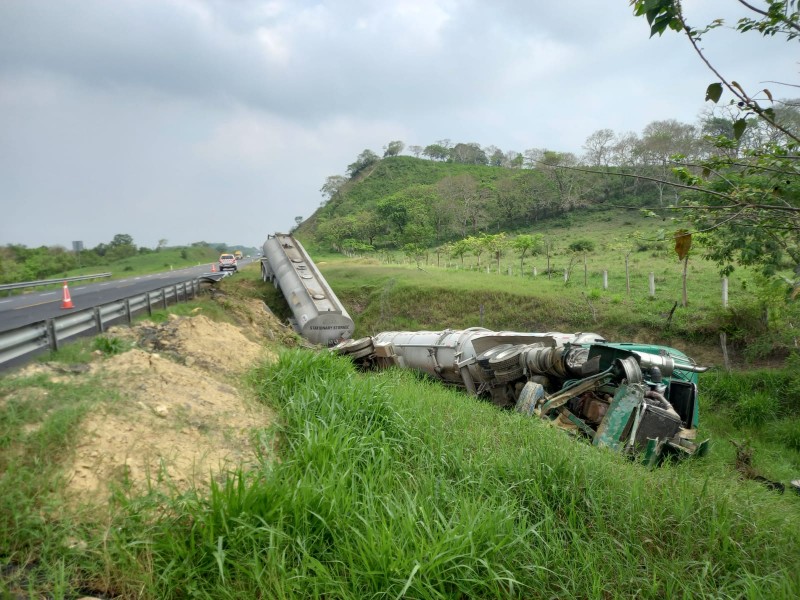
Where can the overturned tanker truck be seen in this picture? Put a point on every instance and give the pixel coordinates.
(318, 315)
(634, 398)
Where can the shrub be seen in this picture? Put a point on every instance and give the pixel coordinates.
(755, 408)
(109, 345)
(785, 432)
(582, 246)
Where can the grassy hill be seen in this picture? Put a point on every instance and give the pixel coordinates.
(401, 199)
(593, 267)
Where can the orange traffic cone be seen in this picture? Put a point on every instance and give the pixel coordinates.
(213, 268)
(67, 301)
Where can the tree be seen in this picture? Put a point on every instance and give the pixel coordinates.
(393, 148)
(476, 246)
(436, 152)
(468, 154)
(368, 226)
(495, 245)
(509, 202)
(335, 231)
(332, 186)
(558, 166)
(121, 246)
(121, 239)
(513, 159)
(466, 197)
(746, 205)
(363, 160)
(459, 249)
(415, 150)
(162, 243)
(660, 141)
(526, 243)
(598, 147)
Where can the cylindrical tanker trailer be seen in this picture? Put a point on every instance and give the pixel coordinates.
(318, 314)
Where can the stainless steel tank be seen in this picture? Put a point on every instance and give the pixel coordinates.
(318, 314)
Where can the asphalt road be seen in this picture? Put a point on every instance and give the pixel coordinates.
(17, 311)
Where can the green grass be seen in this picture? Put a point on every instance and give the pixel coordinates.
(372, 498)
(38, 536)
(389, 485)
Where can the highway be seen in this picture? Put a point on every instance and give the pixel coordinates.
(17, 311)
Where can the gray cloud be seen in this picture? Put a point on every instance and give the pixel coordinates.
(155, 117)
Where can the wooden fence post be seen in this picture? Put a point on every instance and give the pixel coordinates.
(724, 292)
(585, 272)
(652, 285)
(627, 277)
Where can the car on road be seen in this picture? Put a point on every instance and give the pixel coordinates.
(227, 262)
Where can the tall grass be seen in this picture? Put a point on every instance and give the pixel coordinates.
(389, 486)
(41, 542)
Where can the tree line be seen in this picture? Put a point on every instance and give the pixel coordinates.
(20, 263)
(508, 191)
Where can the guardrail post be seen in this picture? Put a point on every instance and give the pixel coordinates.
(149, 305)
(52, 335)
(175, 291)
(98, 319)
(128, 310)
(185, 294)
(164, 296)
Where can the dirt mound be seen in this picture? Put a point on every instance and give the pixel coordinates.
(196, 341)
(173, 413)
(174, 426)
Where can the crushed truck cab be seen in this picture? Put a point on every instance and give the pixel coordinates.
(638, 399)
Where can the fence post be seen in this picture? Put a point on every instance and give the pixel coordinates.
(627, 277)
(509, 271)
(723, 342)
(652, 285)
(534, 271)
(605, 280)
(566, 275)
(585, 272)
(724, 292)
(99, 318)
(52, 335)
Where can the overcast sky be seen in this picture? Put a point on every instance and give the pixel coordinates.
(219, 120)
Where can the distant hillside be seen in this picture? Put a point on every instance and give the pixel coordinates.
(402, 201)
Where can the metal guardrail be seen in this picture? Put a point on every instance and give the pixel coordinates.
(24, 284)
(51, 333)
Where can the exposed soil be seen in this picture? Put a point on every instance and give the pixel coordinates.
(176, 412)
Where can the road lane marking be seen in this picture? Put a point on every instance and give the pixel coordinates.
(34, 304)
